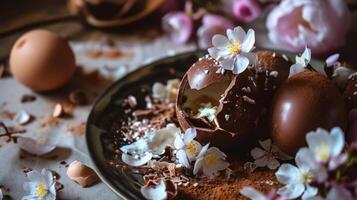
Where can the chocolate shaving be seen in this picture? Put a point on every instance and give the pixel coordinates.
(26, 98)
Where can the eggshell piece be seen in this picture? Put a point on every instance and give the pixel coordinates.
(82, 174)
(42, 60)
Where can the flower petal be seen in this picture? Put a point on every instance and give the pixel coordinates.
(241, 63)
(249, 40)
(288, 174)
(295, 69)
(252, 193)
(35, 176)
(203, 151)
(33, 147)
(219, 41)
(182, 158)
(215, 151)
(136, 161)
(273, 163)
(266, 144)
(305, 159)
(227, 63)
(179, 144)
(30, 197)
(48, 176)
(261, 162)
(309, 192)
(292, 191)
(337, 141)
(189, 135)
(239, 33)
(257, 153)
(198, 166)
(338, 192)
(154, 192)
(315, 138)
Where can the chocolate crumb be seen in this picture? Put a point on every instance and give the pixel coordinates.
(26, 98)
(132, 101)
(26, 170)
(78, 97)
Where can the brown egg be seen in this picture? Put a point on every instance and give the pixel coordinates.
(42, 60)
(233, 97)
(305, 102)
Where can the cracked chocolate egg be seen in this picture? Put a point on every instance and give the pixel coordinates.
(222, 107)
(305, 102)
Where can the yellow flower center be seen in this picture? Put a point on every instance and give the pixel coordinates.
(211, 160)
(307, 177)
(234, 47)
(323, 151)
(191, 147)
(41, 190)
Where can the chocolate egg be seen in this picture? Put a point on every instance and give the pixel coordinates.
(305, 102)
(42, 60)
(272, 70)
(231, 99)
(350, 94)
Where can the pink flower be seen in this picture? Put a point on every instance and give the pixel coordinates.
(178, 25)
(212, 25)
(319, 24)
(246, 10)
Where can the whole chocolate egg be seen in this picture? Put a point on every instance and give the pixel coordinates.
(350, 93)
(305, 102)
(222, 107)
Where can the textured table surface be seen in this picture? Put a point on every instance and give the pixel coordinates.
(139, 46)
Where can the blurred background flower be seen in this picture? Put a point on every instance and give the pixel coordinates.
(319, 24)
(246, 10)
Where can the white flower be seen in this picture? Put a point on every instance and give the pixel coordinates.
(187, 147)
(154, 191)
(141, 151)
(324, 149)
(301, 62)
(207, 111)
(41, 186)
(34, 147)
(268, 155)
(234, 52)
(210, 161)
(296, 179)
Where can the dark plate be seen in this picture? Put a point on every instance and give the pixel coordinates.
(106, 112)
